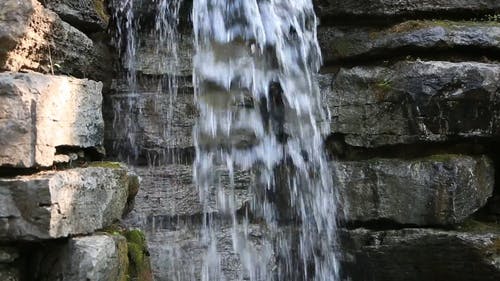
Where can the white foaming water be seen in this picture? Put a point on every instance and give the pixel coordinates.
(260, 110)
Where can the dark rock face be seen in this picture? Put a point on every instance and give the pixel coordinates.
(438, 190)
(412, 102)
(86, 15)
(396, 7)
(97, 257)
(421, 254)
(339, 43)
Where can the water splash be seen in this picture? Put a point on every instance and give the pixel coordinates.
(260, 110)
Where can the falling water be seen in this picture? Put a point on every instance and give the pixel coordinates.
(134, 35)
(260, 111)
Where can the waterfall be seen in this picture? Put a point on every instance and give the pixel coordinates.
(261, 111)
(260, 114)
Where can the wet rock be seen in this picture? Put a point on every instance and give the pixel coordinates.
(437, 190)
(56, 204)
(154, 58)
(151, 122)
(92, 258)
(41, 112)
(35, 38)
(86, 15)
(339, 43)
(178, 253)
(411, 102)
(421, 254)
(384, 8)
(168, 192)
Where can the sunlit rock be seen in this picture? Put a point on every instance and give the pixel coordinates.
(422, 254)
(35, 38)
(343, 43)
(40, 112)
(411, 102)
(436, 190)
(60, 203)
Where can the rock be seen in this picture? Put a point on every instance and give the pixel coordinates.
(436, 190)
(168, 192)
(411, 102)
(86, 15)
(35, 38)
(39, 113)
(147, 123)
(56, 204)
(91, 258)
(391, 8)
(158, 58)
(8, 254)
(339, 43)
(421, 254)
(178, 253)
(8, 273)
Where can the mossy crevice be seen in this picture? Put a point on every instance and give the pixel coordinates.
(140, 265)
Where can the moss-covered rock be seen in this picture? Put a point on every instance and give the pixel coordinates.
(140, 266)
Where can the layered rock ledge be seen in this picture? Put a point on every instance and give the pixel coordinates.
(411, 102)
(56, 204)
(388, 8)
(422, 254)
(437, 190)
(39, 113)
(344, 43)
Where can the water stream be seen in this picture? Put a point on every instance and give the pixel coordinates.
(260, 114)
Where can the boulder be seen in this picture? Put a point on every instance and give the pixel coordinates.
(421, 254)
(411, 102)
(39, 113)
(391, 8)
(86, 15)
(35, 38)
(168, 192)
(344, 43)
(56, 204)
(436, 190)
(98, 257)
(150, 122)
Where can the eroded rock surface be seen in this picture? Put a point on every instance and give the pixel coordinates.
(86, 15)
(41, 112)
(35, 38)
(56, 204)
(437, 190)
(412, 102)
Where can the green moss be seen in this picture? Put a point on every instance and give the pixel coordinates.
(100, 8)
(133, 186)
(343, 48)
(140, 266)
(442, 157)
(111, 165)
(474, 226)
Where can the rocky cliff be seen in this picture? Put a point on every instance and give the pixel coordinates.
(60, 205)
